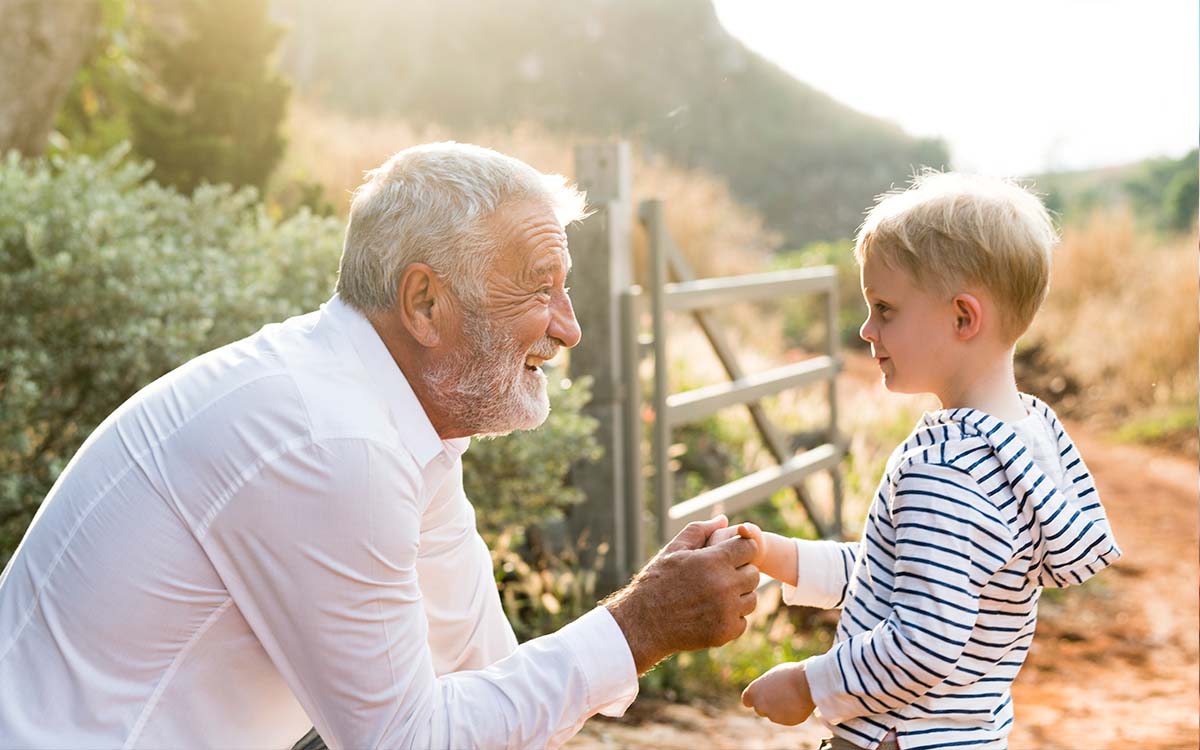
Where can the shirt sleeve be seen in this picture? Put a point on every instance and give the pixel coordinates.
(950, 540)
(822, 575)
(320, 551)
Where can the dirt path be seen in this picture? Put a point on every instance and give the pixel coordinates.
(1118, 667)
(1114, 664)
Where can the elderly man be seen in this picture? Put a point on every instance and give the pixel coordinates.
(275, 534)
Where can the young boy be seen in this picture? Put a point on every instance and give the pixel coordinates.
(983, 505)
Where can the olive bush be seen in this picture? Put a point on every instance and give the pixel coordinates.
(517, 480)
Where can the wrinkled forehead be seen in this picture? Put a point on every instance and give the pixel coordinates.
(532, 237)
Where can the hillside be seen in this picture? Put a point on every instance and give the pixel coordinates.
(1162, 192)
(664, 73)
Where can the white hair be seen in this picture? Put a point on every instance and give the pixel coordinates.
(430, 204)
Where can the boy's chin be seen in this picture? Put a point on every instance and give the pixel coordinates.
(895, 385)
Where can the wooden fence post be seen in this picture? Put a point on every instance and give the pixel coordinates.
(602, 255)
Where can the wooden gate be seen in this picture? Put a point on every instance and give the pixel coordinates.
(673, 288)
(613, 312)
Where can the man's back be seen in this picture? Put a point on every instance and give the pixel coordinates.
(112, 600)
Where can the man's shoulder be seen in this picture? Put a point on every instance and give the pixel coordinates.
(287, 382)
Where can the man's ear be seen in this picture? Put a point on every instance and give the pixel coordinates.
(968, 316)
(421, 299)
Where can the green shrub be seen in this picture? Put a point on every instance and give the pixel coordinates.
(776, 634)
(208, 106)
(521, 479)
(541, 593)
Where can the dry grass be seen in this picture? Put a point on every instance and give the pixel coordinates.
(718, 235)
(1122, 315)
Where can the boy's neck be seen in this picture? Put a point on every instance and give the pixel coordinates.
(991, 389)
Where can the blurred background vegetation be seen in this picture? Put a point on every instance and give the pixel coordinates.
(179, 175)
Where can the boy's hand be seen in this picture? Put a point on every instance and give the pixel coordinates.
(746, 531)
(781, 694)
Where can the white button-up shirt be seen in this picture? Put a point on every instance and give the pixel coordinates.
(270, 536)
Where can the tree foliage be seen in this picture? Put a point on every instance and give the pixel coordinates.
(94, 118)
(209, 106)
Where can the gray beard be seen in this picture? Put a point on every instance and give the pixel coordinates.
(484, 384)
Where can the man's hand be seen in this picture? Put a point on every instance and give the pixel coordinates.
(689, 596)
(781, 694)
(745, 531)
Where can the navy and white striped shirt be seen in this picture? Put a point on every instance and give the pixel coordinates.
(939, 600)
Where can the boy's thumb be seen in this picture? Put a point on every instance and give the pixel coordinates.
(696, 533)
(747, 530)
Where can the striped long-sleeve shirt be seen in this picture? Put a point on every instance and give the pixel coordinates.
(973, 517)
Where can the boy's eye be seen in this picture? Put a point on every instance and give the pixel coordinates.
(881, 308)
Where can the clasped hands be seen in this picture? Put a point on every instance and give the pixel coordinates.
(696, 593)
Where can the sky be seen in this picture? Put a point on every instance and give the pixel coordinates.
(1014, 88)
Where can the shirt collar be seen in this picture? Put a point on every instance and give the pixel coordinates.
(408, 415)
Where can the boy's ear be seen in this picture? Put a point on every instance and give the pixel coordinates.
(421, 301)
(968, 316)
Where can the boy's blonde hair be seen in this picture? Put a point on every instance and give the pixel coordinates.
(948, 230)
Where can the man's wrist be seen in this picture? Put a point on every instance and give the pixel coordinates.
(626, 609)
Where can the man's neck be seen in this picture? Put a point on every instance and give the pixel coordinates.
(407, 356)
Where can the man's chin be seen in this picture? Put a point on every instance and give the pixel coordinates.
(532, 416)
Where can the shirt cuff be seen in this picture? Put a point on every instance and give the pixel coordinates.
(818, 579)
(604, 658)
(826, 683)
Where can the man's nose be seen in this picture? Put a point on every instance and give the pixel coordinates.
(563, 326)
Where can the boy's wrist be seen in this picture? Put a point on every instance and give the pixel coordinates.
(803, 689)
(778, 558)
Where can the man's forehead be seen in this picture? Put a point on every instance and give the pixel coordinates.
(533, 231)
(551, 260)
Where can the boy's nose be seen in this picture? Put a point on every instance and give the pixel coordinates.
(866, 332)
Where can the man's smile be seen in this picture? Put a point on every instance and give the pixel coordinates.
(533, 364)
